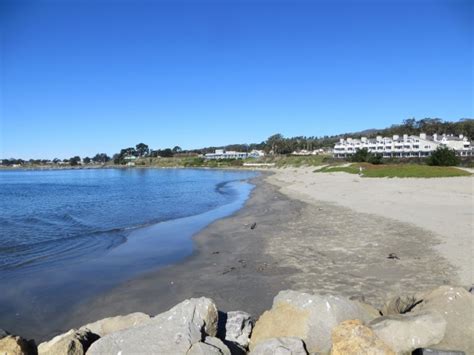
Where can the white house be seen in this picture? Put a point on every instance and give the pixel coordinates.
(223, 154)
(403, 147)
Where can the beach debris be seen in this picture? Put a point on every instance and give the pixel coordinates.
(215, 252)
(308, 317)
(238, 327)
(232, 268)
(407, 332)
(254, 225)
(471, 290)
(171, 332)
(78, 340)
(400, 305)
(281, 345)
(393, 256)
(114, 324)
(351, 337)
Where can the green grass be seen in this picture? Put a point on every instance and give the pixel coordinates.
(397, 170)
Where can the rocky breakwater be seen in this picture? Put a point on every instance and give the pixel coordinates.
(437, 322)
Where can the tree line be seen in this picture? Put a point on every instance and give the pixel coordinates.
(275, 144)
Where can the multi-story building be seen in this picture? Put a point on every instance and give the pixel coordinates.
(403, 147)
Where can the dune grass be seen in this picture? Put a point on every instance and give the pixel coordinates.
(294, 160)
(397, 170)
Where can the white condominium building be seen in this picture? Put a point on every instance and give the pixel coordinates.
(223, 154)
(403, 147)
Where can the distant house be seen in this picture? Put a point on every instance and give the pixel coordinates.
(308, 152)
(230, 154)
(403, 147)
(130, 160)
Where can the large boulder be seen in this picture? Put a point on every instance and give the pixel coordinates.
(238, 328)
(351, 337)
(309, 317)
(219, 344)
(407, 332)
(114, 324)
(74, 342)
(203, 349)
(280, 346)
(172, 332)
(15, 345)
(456, 305)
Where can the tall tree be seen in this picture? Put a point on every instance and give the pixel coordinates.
(142, 149)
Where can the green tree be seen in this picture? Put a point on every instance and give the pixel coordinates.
(275, 143)
(443, 156)
(75, 160)
(101, 158)
(177, 149)
(86, 160)
(142, 149)
(361, 156)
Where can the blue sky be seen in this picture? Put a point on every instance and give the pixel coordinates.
(81, 77)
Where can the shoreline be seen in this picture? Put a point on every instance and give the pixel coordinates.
(48, 292)
(317, 247)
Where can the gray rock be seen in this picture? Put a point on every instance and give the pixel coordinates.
(203, 349)
(280, 346)
(172, 332)
(113, 324)
(238, 327)
(456, 305)
(405, 333)
(308, 317)
(73, 342)
(216, 342)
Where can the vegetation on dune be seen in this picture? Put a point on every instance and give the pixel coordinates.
(443, 156)
(396, 170)
(281, 161)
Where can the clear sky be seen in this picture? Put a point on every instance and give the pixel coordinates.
(81, 77)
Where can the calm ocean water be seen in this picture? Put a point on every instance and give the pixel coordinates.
(66, 235)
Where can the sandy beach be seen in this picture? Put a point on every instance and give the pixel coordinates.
(315, 233)
(442, 206)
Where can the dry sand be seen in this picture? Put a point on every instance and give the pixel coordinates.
(443, 206)
(303, 242)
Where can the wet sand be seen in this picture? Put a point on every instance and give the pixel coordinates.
(308, 246)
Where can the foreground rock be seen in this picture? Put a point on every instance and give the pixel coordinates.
(405, 333)
(114, 324)
(15, 345)
(308, 317)
(456, 305)
(351, 337)
(238, 328)
(172, 332)
(280, 346)
(74, 342)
